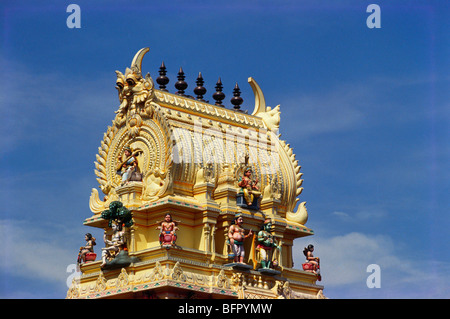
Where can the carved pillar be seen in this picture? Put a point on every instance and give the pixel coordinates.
(132, 247)
(207, 235)
(213, 241)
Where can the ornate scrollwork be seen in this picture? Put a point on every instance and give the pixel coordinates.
(177, 272)
(74, 290)
(122, 279)
(222, 280)
(135, 94)
(100, 284)
(141, 126)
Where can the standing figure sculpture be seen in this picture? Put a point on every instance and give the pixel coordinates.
(113, 245)
(267, 246)
(236, 236)
(249, 187)
(128, 167)
(86, 249)
(168, 227)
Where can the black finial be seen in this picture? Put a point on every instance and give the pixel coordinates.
(219, 95)
(162, 79)
(200, 90)
(181, 85)
(236, 100)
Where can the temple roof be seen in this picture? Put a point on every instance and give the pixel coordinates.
(176, 136)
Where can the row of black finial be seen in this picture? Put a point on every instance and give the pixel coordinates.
(199, 90)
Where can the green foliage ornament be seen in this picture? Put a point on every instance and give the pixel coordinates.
(118, 213)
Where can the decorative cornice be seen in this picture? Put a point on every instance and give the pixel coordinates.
(207, 110)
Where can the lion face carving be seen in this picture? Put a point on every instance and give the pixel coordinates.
(134, 90)
(135, 96)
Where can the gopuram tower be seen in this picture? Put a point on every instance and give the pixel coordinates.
(197, 201)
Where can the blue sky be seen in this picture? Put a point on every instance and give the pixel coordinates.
(366, 111)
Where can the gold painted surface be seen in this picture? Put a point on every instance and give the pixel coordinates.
(191, 155)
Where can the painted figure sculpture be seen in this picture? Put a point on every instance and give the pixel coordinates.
(114, 245)
(267, 246)
(127, 166)
(249, 187)
(87, 251)
(168, 228)
(312, 263)
(236, 237)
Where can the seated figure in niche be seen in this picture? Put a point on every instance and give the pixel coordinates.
(312, 263)
(113, 245)
(249, 186)
(128, 167)
(167, 227)
(88, 248)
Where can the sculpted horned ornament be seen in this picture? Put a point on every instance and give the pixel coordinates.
(135, 154)
(135, 94)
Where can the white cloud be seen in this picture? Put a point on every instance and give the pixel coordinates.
(32, 252)
(362, 214)
(341, 215)
(371, 101)
(339, 109)
(344, 261)
(51, 104)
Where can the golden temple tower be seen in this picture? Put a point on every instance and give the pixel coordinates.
(169, 153)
